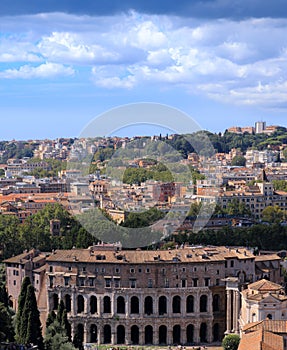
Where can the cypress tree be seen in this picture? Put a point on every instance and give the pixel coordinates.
(62, 318)
(50, 319)
(31, 320)
(19, 316)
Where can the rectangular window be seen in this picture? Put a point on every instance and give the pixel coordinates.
(51, 279)
(108, 282)
(147, 270)
(51, 268)
(117, 283)
(183, 283)
(66, 281)
(140, 270)
(91, 282)
(149, 283)
(81, 281)
(132, 270)
(117, 270)
(166, 283)
(133, 283)
(206, 282)
(14, 282)
(195, 282)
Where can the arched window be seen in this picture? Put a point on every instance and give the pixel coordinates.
(80, 331)
(203, 333)
(135, 335)
(162, 335)
(215, 303)
(162, 309)
(107, 304)
(120, 334)
(80, 304)
(121, 305)
(269, 316)
(190, 304)
(93, 304)
(203, 303)
(148, 305)
(148, 335)
(107, 334)
(176, 304)
(134, 305)
(176, 334)
(68, 302)
(93, 333)
(190, 334)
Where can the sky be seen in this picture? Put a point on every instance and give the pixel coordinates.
(63, 63)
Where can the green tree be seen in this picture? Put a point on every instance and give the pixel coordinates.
(31, 325)
(231, 342)
(238, 161)
(6, 327)
(272, 214)
(50, 319)
(56, 338)
(19, 327)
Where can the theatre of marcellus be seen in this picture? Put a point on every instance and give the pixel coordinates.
(188, 295)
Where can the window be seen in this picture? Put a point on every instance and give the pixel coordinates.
(91, 281)
(132, 270)
(66, 280)
(231, 263)
(84, 269)
(117, 270)
(226, 264)
(103, 270)
(183, 283)
(108, 282)
(166, 283)
(14, 282)
(206, 282)
(147, 270)
(132, 283)
(51, 279)
(70, 268)
(194, 269)
(195, 282)
(140, 270)
(149, 283)
(51, 268)
(117, 283)
(183, 269)
(81, 281)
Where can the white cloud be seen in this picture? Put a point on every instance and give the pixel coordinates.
(222, 59)
(43, 71)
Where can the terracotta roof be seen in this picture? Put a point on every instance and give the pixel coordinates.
(266, 257)
(275, 326)
(264, 286)
(261, 340)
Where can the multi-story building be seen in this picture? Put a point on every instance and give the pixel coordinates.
(139, 297)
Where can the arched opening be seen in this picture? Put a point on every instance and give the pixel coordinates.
(68, 302)
(93, 333)
(69, 330)
(176, 334)
(269, 317)
(162, 335)
(80, 304)
(135, 335)
(134, 305)
(107, 334)
(80, 332)
(55, 301)
(162, 309)
(215, 332)
(120, 334)
(203, 333)
(203, 303)
(176, 304)
(215, 302)
(93, 304)
(121, 309)
(190, 304)
(148, 305)
(190, 334)
(107, 305)
(148, 335)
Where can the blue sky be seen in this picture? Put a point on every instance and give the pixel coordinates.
(62, 63)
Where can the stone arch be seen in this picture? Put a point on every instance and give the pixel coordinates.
(203, 303)
(135, 335)
(134, 305)
(216, 303)
(190, 334)
(176, 301)
(176, 334)
(55, 301)
(190, 304)
(162, 335)
(148, 335)
(203, 333)
(121, 333)
(80, 304)
(68, 302)
(107, 334)
(121, 308)
(93, 333)
(215, 331)
(148, 305)
(93, 304)
(162, 305)
(107, 304)
(80, 331)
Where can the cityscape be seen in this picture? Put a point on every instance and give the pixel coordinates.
(143, 175)
(140, 273)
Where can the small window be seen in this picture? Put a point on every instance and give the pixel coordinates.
(51, 268)
(91, 282)
(117, 283)
(194, 269)
(147, 270)
(132, 270)
(183, 269)
(84, 269)
(82, 281)
(149, 283)
(133, 283)
(140, 270)
(231, 263)
(70, 268)
(195, 282)
(108, 282)
(217, 272)
(183, 283)
(166, 283)
(103, 270)
(66, 280)
(117, 270)
(14, 282)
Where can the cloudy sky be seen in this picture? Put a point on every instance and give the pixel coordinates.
(62, 63)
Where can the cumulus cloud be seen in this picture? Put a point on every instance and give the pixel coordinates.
(223, 59)
(43, 71)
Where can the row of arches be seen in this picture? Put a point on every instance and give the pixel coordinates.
(148, 334)
(148, 306)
